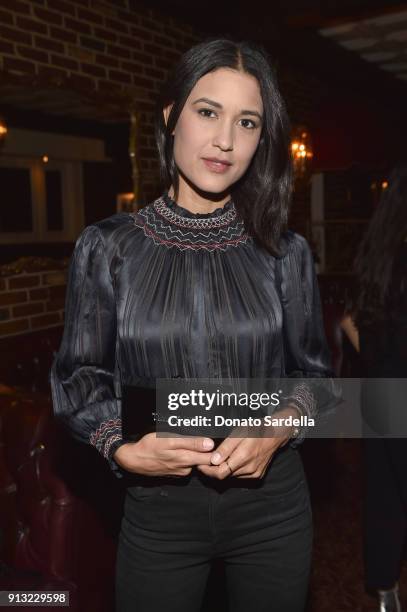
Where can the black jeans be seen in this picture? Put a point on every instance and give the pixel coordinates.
(385, 510)
(172, 529)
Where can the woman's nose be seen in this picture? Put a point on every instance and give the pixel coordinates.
(223, 137)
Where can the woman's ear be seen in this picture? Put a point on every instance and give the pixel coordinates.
(166, 112)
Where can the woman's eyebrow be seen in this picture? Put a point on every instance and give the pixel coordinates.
(208, 101)
(217, 105)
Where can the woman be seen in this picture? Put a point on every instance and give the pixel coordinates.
(378, 328)
(202, 283)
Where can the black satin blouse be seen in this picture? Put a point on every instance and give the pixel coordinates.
(168, 293)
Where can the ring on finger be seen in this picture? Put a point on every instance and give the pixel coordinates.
(227, 463)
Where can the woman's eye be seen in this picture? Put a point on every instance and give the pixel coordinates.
(206, 112)
(248, 123)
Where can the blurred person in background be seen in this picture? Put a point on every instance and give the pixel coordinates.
(377, 327)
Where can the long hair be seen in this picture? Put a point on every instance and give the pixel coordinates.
(262, 195)
(380, 283)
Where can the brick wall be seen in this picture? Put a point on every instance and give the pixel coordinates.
(95, 46)
(31, 301)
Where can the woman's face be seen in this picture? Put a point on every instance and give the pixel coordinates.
(218, 130)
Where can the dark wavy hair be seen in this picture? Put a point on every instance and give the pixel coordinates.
(381, 282)
(263, 194)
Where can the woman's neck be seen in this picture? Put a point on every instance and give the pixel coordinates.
(194, 202)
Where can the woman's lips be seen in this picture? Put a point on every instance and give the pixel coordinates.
(215, 166)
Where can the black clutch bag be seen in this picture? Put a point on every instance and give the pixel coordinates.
(138, 412)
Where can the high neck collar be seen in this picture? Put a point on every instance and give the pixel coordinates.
(184, 212)
(171, 225)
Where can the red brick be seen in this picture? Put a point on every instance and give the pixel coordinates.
(119, 51)
(127, 41)
(28, 309)
(15, 35)
(172, 55)
(157, 74)
(6, 17)
(81, 82)
(63, 7)
(101, 7)
(38, 294)
(142, 82)
(92, 43)
(54, 305)
(145, 106)
(20, 282)
(48, 16)
(107, 60)
(166, 41)
(31, 25)
(141, 34)
(117, 75)
(6, 47)
(64, 35)
(143, 58)
(164, 63)
(64, 62)
(3, 284)
(48, 44)
(77, 26)
(118, 26)
(128, 17)
(54, 278)
(108, 86)
(4, 314)
(34, 54)
(57, 292)
(131, 67)
(16, 6)
(155, 50)
(44, 320)
(13, 327)
(150, 24)
(55, 74)
(89, 16)
(17, 65)
(81, 54)
(93, 70)
(121, 3)
(105, 34)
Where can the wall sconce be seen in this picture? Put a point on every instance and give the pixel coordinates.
(125, 202)
(301, 149)
(3, 131)
(377, 187)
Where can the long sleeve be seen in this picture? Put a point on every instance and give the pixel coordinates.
(306, 352)
(85, 387)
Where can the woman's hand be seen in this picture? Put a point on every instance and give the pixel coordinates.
(156, 456)
(249, 457)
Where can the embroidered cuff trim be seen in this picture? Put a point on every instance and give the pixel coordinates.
(105, 435)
